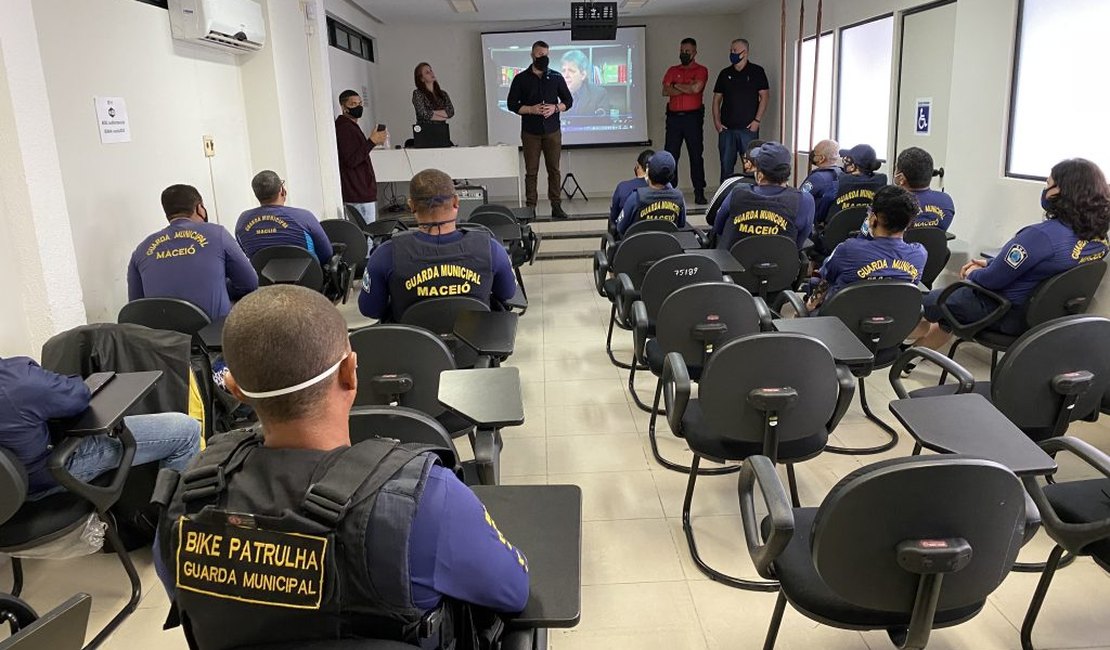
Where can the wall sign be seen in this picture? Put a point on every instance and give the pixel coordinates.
(111, 120)
(923, 116)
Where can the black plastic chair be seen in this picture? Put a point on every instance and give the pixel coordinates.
(355, 247)
(776, 394)
(62, 628)
(492, 208)
(662, 279)
(841, 226)
(632, 257)
(693, 321)
(772, 266)
(718, 200)
(313, 277)
(26, 524)
(904, 545)
(1064, 294)
(935, 242)
(1075, 514)
(522, 250)
(881, 313)
(438, 315)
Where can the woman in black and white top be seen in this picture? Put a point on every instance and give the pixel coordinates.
(431, 102)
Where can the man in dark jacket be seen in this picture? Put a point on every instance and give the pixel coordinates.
(356, 172)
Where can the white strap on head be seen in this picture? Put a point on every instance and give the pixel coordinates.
(301, 386)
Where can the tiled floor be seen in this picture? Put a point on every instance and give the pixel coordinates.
(640, 588)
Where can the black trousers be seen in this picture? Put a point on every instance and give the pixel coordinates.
(687, 126)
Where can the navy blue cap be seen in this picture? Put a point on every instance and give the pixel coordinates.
(862, 156)
(771, 157)
(661, 165)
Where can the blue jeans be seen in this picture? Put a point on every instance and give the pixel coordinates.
(172, 439)
(733, 143)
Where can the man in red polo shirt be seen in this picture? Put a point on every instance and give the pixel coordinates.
(683, 86)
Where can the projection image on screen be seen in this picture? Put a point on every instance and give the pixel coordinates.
(605, 78)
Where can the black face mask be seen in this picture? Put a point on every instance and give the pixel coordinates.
(541, 63)
(205, 215)
(355, 112)
(685, 58)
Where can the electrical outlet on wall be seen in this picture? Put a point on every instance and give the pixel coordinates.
(209, 147)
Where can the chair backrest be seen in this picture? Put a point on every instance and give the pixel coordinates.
(470, 226)
(672, 273)
(400, 423)
(698, 318)
(771, 263)
(438, 315)
(390, 354)
(769, 360)
(722, 193)
(861, 304)
(62, 628)
(170, 314)
(841, 225)
(313, 277)
(493, 217)
(635, 254)
(1065, 294)
(872, 510)
(341, 231)
(13, 484)
(651, 225)
(354, 216)
(936, 248)
(492, 208)
(1021, 387)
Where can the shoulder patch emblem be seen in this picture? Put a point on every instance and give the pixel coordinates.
(1016, 255)
(807, 186)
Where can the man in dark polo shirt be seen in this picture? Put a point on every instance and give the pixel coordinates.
(683, 86)
(539, 94)
(356, 172)
(739, 99)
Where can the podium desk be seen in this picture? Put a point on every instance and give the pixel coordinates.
(496, 161)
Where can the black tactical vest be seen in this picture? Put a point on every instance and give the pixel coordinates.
(283, 545)
(856, 191)
(424, 269)
(753, 214)
(654, 205)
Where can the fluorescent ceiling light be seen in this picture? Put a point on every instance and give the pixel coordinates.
(464, 6)
(633, 4)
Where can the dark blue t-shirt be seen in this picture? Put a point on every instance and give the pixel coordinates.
(29, 396)
(821, 183)
(373, 301)
(666, 203)
(937, 209)
(1036, 253)
(863, 258)
(198, 262)
(280, 225)
(620, 195)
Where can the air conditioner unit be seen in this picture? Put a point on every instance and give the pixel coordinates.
(234, 25)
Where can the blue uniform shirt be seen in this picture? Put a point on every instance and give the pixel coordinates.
(1036, 253)
(624, 189)
(803, 222)
(279, 225)
(665, 200)
(29, 396)
(198, 262)
(821, 183)
(864, 258)
(937, 209)
(373, 301)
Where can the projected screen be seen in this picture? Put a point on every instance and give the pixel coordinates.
(606, 79)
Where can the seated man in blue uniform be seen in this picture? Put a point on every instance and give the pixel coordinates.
(31, 396)
(883, 254)
(822, 180)
(306, 537)
(768, 208)
(657, 201)
(625, 188)
(1076, 204)
(913, 170)
(856, 186)
(438, 260)
(190, 259)
(275, 224)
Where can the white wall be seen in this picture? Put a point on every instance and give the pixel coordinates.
(350, 71)
(454, 51)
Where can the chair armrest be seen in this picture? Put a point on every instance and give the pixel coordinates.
(601, 271)
(486, 456)
(969, 330)
(535, 239)
(626, 295)
(701, 237)
(1073, 537)
(764, 312)
(641, 329)
(847, 382)
(759, 469)
(483, 361)
(796, 302)
(676, 390)
(101, 497)
(965, 379)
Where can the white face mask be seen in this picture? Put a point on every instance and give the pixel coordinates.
(301, 386)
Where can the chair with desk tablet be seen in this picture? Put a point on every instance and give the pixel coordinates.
(350, 242)
(438, 316)
(772, 266)
(62, 628)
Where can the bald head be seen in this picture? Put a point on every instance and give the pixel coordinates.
(281, 336)
(826, 153)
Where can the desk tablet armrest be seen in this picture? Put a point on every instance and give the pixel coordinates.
(759, 469)
(965, 378)
(101, 497)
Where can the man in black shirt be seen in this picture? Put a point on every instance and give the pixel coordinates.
(539, 95)
(739, 100)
